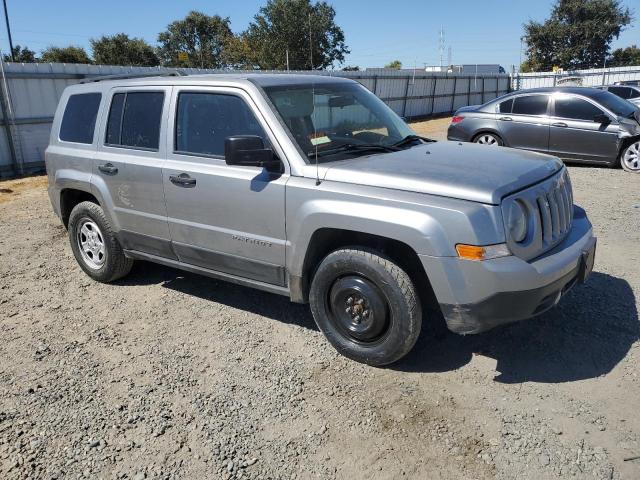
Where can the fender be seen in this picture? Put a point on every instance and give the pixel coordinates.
(416, 220)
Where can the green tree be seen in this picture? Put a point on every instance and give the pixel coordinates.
(351, 68)
(21, 55)
(197, 41)
(624, 57)
(395, 65)
(119, 49)
(577, 35)
(306, 32)
(69, 54)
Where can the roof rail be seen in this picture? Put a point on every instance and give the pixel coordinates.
(102, 78)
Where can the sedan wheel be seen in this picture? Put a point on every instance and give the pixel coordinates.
(630, 158)
(488, 139)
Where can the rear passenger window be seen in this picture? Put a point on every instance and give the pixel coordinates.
(505, 107)
(134, 120)
(79, 119)
(205, 120)
(531, 105)
(576, 109)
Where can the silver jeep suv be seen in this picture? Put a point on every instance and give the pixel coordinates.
(311, 187)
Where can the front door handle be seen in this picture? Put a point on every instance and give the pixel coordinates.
(506, 119)
(183, 180)
(559, 124)
(108, 168)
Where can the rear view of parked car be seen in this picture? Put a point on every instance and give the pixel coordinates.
(572, 123)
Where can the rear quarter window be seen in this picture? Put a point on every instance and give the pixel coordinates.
(79, 119)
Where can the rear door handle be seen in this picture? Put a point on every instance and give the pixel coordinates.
(183, 180)
(108, 168)
(559, 124)
(506, 119)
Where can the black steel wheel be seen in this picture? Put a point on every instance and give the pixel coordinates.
(366, 306)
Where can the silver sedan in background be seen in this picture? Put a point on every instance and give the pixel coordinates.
(573, 123)
(630, 93)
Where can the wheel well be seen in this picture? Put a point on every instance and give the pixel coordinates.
(69, 198)
(327, 240)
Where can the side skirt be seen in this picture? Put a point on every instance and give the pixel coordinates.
(209, 273)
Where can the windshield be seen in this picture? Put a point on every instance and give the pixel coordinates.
(332, 121)
(617, 105)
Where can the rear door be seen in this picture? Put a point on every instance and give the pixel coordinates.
(224, 218)
(524, 123)
(128, 165)
(575, 135)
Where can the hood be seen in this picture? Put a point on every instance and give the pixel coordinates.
(459, 170)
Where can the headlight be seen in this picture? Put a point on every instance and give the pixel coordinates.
(517, 222)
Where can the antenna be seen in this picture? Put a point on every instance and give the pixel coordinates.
(310, 44)
(441, 46)
(315, 132)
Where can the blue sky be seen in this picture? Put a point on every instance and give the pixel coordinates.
(377, 31)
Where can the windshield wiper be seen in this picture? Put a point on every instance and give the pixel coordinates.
(353, 147)
(412, 138)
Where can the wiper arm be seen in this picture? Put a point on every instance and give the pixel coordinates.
(412, 138)
(353, 147)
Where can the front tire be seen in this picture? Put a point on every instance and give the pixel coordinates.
(488, 139)
(95, 245)
(366, 306)
(630, 158)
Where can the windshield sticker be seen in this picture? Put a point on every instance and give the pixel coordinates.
(319, 139)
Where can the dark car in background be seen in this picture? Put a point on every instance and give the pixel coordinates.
(627, 92)
(573, 123)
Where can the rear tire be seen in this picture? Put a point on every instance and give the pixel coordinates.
(94, 244)
(489, 139)
(630, 158)
(366, 306)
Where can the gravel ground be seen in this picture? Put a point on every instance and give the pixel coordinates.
(170, 375)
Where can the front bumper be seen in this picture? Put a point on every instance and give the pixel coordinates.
(477, 296)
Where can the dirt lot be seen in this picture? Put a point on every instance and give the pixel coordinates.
(171, 375)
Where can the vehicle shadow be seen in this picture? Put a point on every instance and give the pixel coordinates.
(269, 305)
(585, 336)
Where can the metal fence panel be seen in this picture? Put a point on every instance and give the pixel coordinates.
(588, 78)
(34, 91)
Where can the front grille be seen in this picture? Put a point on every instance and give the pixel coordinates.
(555, 208)
(549, 207)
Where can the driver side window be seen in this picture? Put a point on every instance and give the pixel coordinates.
(204, 120)
(576, 109)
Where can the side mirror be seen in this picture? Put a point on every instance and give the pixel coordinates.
(602, 118)
(249, 151)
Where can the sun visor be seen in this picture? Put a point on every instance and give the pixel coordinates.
(294, 103)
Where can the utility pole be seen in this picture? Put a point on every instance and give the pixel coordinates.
(441, 46)
(287, 59)
(6, 19)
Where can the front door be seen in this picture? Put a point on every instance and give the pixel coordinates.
(527, 124)
(224, 218)
(574, 133)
